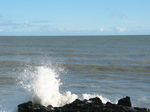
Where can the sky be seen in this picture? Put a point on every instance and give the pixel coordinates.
(74, 17)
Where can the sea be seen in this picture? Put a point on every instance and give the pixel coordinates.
(55, 70)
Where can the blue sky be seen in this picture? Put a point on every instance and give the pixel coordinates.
(74, 17)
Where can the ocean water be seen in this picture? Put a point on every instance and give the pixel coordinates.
(55, 70)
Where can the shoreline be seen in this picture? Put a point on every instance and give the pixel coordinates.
(91, 105)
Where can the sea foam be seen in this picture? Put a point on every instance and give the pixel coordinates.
(43, 86)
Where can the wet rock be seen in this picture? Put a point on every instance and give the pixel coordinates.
(125, 101)
(30, 107)
(96, 101)
(91, 105)
(74, 106)
(25, 107)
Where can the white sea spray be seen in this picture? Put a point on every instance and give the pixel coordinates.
(43, 86)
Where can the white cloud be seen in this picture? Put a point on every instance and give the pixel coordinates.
(73, 29)
(26, 24)
(121, 29)
(101, 29)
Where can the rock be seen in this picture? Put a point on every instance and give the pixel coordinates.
(125, 101)
(141, 109)
(74, 106)
(77, 102)
(96, 101)
(108, 103)
(25, 107)
(91, 105)
(30, 107)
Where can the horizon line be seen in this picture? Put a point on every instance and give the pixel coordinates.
(77, 35)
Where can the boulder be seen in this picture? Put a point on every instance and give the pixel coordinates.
(96, 101)
(30, 107)
(125, 101)
(25, 107)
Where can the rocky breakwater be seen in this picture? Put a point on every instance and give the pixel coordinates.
(91, 105)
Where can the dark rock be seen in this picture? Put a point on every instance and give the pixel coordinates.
(25, 107)
(91, 105)
(77, 102)
(74, 106)
(96, 101)
(125, 101)
(141, 109)
(30, 107)
(108, 103)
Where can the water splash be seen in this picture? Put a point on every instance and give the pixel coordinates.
(43, 86)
